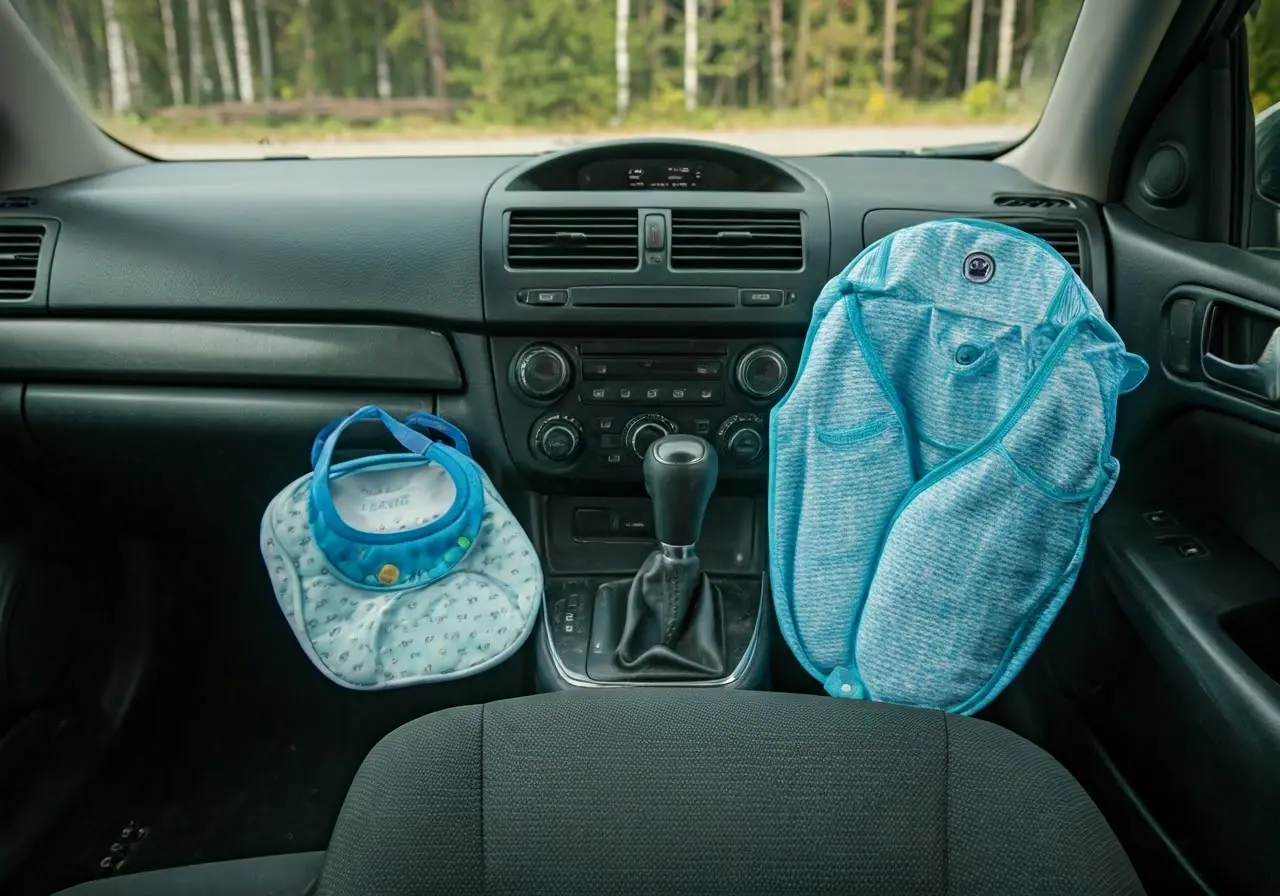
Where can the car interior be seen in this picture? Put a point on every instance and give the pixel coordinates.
(173, 334)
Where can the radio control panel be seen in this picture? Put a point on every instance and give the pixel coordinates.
(589, 409)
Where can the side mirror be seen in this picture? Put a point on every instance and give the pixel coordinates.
(1266, 156)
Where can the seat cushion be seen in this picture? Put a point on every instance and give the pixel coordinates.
(669, 792)
(287, 875)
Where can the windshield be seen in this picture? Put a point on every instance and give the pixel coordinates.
(251, 78)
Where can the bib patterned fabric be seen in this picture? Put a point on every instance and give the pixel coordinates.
(937, 462)
(400, 569)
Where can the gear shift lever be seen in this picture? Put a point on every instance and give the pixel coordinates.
(674, 624)
(679, 475)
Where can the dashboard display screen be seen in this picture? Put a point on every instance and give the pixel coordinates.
(656, 174)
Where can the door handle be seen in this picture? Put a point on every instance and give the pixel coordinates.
(1261, 378)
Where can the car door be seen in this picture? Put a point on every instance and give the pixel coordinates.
(1160, 687)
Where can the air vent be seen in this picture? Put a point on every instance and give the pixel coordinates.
(17, 201)
(19, 259)
(1015, 201)
(736, 240)
(573, 239)
(1062, 235)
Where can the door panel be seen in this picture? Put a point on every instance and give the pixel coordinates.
(1188, 726)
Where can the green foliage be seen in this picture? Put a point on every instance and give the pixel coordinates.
(981, 98)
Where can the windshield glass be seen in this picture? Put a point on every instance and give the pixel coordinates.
(252, 78)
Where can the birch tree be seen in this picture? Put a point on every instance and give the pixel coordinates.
(221, 57)
(973, 54)
(117, 65)
(690, 55)
(622, 58)
(1004, 43)
(244, 54)
(266, 57)
(195, 51)
(173, 65)
(890, 43)
(777, 79)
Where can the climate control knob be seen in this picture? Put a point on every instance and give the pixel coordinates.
(541, 371)
(761, 372)
(742, 438)
(558, 438)
(643, 431)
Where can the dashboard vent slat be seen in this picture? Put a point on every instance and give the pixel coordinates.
(1028, 201)
(573, 239)
(719, 240)
(1063, 236)
(20, 246)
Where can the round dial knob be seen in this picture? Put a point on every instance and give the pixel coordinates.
(741, 438)
(541, 371)
(761, 372)
(558, 438)
(643, 431)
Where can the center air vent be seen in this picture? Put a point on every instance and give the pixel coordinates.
(573, 239)
(1061, 235)
(1027, 201)
(736, 240)
(19, 259)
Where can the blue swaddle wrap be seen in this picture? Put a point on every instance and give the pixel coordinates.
(937, 462)
(400, 569)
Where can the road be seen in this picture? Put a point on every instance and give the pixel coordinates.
(800, 141)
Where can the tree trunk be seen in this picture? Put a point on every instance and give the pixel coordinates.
(71, 35)
(777, 78)
(915, 79)
(622, 58)
(226, 81)
(890, 40)
(173, 66)
(346, 83)
(266, 56)
(830, 17)
(1004, 43)
(381, 64)
(117, 64)
(195, 51)
(137, 94)
(244, 53)
(753, 67)
(690, 55)
(307, 77)
(800, 62)
(435, 47)
(974, 54)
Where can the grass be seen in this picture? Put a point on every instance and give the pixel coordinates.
(874, 111)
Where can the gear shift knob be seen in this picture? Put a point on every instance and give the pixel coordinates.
(680, 475)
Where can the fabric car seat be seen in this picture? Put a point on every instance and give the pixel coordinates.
(681, 791)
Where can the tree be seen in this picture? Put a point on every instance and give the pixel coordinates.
(244, 57)
(1004, 43)
(890, 34)
(221, 57)
(777, 80)
(195, 50)
(435, 47)
(622, 57)
(266, 61)
(172, 65)
(690, 55)
(974, 52)
(117, 64)
(800, 59)
(919, 42)
(307, 71)
(381, 64)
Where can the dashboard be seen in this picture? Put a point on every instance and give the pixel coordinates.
(574, 306)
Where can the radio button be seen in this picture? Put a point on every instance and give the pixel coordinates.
(760, 298)
(544, 296)
(600, 395)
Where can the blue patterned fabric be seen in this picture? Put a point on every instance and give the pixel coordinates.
(404, 568)
(937, 462)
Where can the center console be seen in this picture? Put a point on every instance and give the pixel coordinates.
(669, 287)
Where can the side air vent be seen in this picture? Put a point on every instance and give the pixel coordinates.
(1062, 235)
(736, 240)
(17, 201)
(19, 259)
(573, 239)
(1027, 201)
